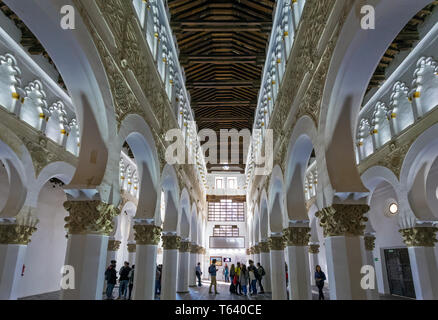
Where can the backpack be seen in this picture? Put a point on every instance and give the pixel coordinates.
(210, 269)
(263, 273)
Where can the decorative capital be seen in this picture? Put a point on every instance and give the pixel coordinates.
(194, 248)
(297, 236)
(185, 246)
(248, 252)
(277, 243)
(113, 245)
(256, 249)
(147, 234)
(15, 234)
(90, 217)
(314, 248)
(171, 242)
(343, 219)
(419, 236)
(369, 242)
(264, 247)
(132, 247)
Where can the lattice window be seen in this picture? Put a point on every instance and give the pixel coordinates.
(225, 231)
(226, 210)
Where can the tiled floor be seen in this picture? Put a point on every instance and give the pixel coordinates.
(201, 293)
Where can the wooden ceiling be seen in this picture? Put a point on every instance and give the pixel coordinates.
(222, 50)
(403, 42)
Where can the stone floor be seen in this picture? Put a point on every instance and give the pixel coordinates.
(201, 293)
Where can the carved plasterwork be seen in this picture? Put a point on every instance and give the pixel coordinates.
(90, 217)
(147, 234)
(370, 243)
(343, 219)
(184, 246)
(277, 243)
(171, 242)
(113, 245)
(297, 236)
(264, 247)
(314, 248)
(419, 236)
(15, 234)
(132, 247)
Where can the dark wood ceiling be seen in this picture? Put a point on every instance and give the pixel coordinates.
(222, 47)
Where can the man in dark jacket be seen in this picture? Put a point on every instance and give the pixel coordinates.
(261, 273)
(124, 280)
(111, 279)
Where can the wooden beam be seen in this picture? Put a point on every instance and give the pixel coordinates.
(223, 59)
(223, 84)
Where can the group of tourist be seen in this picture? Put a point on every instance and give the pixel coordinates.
(126, 280)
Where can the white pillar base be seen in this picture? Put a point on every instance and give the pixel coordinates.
(313, 262)
(131, 258)
(344, 262)
(145, 271)
(87, 254)
(278, 275)
(168, 278)
(11, 264)
(298, 267)
(265, 258)
(424, 272)
(183, 272)
(192, 269)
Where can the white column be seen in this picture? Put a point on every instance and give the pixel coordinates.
(265, 261)
(420, 242)
(88, 224)
(192, 264)
(183, 267)
(278, 271)
(372, 294)
(345, 250)
(147, 237)
(11, 264)
(313, 260)
(170, 267)
(298, 262)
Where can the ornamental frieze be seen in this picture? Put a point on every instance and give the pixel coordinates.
(343, 219)
(419, 236)
(90, 217)
(171, 242)
(297, 236)
(147, 234)
(15, 234)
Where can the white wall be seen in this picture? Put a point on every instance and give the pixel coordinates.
(46, 252)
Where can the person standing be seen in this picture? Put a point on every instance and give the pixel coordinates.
(158, 280)
(111, 279)
(253, 275)
(233, 280)
(124, 280)
(244, 278)
(212, 270)
(131, 281)
(226, 273)
(261, 273)
(237, 275)
(319, 279)
(198, 273)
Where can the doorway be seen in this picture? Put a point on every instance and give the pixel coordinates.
(399, 272)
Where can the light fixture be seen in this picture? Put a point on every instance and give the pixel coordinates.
(393, 208)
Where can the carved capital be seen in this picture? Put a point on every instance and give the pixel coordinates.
(171, 242)
(276, 243)
(264, 247)
(297, 236)
(113, 245)
(147, 234)
(369, 242)
(194, 248)
(256, 249)
(132, 247)
(314, 248)
(185, 246)
(15, 234)
(90, 217)
(419, 236)
(343, 219)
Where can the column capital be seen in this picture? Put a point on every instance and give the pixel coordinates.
(194, 248)
(147, 234)
(314, 248)
(369, 242)
(264, 247)
(171, 242)
(185, 246)
(90, 217)
(297, 236)
(277, 243)
(113, 245)
(132, 247)
(343, 219)
(248, 252)
(256, 249)
(419, 236)
(15, 234)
